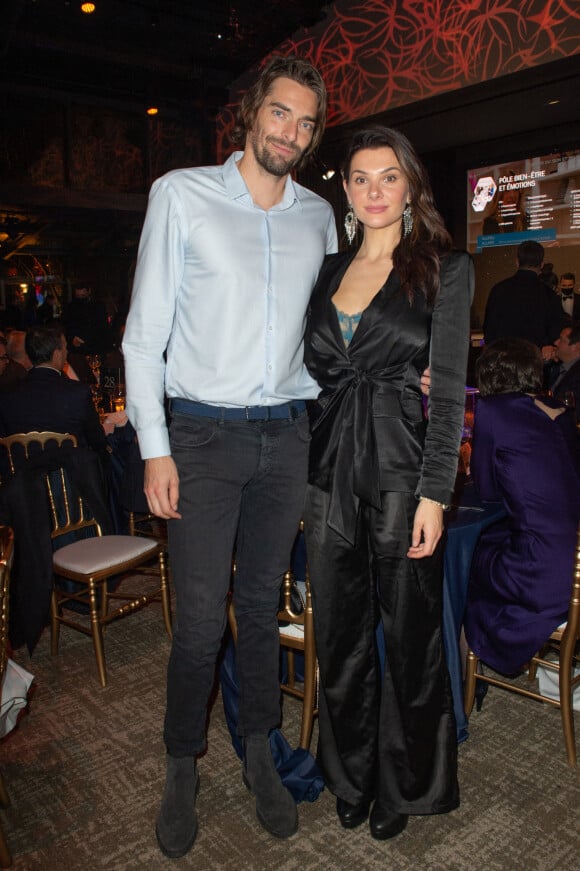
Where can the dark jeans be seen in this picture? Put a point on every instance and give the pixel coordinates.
(241, 483)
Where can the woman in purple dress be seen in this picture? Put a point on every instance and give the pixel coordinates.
(524, 455)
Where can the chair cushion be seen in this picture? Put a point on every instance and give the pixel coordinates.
(106, 551)
(293, 630)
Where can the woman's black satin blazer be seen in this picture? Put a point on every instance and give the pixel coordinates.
(369, 433)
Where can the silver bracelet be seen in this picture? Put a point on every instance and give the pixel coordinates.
(433, 502)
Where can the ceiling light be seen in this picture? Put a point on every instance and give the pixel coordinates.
(328, 174)
(553, 102)
(88, 8)
(152, 110)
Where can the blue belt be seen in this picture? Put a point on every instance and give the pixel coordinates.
(286, 411)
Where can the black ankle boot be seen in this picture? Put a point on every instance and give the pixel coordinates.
(176, 827)
(385, 824)
(275, 807)
(352, 815)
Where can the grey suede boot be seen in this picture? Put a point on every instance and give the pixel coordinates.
(176, 827)
(275, 807)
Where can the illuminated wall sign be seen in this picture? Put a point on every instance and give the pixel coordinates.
(534, 198)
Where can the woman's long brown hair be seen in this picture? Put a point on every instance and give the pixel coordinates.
(417, 256)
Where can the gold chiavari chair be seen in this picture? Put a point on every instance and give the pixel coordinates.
(564, 658)
(6, 557)
(297, 636)
(18, 446)
(91, 562)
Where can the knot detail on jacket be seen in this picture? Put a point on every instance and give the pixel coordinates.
(345, 433)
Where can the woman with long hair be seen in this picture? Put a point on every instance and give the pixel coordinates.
(381, 474)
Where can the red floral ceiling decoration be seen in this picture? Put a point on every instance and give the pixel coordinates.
(379, 54)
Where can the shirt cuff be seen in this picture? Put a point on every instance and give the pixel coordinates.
(153, 443)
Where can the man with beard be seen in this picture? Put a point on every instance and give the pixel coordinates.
(227, 261)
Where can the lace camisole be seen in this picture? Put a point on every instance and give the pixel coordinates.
(348, 325)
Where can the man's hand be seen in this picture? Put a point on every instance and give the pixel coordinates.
(426, 382)
(78, 342)
(427, 529)
(161, 487)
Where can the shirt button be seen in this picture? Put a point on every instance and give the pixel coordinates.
(270, 328)
(269, 367)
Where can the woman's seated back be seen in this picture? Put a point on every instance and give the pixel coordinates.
(525, 456)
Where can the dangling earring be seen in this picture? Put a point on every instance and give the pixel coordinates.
(350, 225)
(407, 221)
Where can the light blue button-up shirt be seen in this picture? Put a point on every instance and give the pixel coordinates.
(223, 286)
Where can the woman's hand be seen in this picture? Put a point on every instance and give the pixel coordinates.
(427, 529)
(426, 382)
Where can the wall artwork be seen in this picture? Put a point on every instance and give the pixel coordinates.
(376, 55)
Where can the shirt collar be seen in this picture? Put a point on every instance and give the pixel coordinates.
(236, 187)
(44, 366)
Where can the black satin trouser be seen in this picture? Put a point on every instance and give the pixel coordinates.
(392, 739)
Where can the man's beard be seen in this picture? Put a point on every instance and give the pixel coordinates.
(274, 163)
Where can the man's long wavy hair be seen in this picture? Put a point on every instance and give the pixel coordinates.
(288, 68)
(417, 256)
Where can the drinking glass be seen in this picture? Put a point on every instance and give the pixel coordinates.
(119, 398)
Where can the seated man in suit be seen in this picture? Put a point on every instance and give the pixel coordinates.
(567, 380)
(48, 400)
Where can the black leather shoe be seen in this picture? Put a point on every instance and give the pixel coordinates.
(352, 815)
(386, 824)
